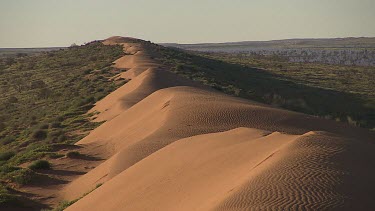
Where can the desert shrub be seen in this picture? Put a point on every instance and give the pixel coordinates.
(9, 61)
(100, 96)
(2, 126)
(4, 156)
(22, 176)
(40, 164)
(93, 58)
(12, 99)
(43, 126)
(61, 138)
(7, 199)
(73, 154)
(65, 204)
(5, 169)
(55, 125)
(55, 134)
(55, 155)
(28, 156)
(88, 71)
(44, 93)
(39, 134)
(90, 99)
(37, 84)
(7, 140)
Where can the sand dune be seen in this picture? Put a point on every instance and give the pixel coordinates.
(172, 144)
(137, 89)
(318, 171)
(238, 170)
(146, 76)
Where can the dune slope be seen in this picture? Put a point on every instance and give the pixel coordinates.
(172, 144)
(242, 169)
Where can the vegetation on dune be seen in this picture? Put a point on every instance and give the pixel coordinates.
(40, 164)
(44, 100)
(65, 204)
(73, 154)
(335, 92)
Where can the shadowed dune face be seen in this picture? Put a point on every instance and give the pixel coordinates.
(173, 144)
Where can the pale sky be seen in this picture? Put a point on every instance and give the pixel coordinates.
(44, 23)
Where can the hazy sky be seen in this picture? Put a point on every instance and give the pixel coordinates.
(39, 23)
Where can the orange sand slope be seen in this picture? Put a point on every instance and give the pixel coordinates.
(173, 144)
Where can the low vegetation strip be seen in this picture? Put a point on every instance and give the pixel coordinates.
(44, 100)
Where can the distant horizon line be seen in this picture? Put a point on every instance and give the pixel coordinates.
(203, 43)
(228, 42)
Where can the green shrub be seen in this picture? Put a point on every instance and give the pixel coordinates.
(7, 140)
(22, 176)
(2, 126)
(37, 84)
(40, 164)
(43, 126)
(61, 138)
(73, 154)
(4, 156)
(55, 134)
(55, 125)
(86, 72)
(5, 169)
(55, 155)
(28, 156)
(63, 205)
(13, 99)
(39, 134)
(7, 199)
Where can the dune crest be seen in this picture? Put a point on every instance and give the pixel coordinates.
(173, 144)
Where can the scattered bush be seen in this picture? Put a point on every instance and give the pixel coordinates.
(54, 135)
(37, 84)
(61, 138)
(73, 154)
(87, 71)
(63, 205)
(7, 140)
(2, 126)
(56, 85)
(4, 156)
(22, 176)
(55, 125)
(40, 164)
(55, 155)
(4, 169)
(7, 199)
(39, 134)
(43, 126)
(13, 99)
